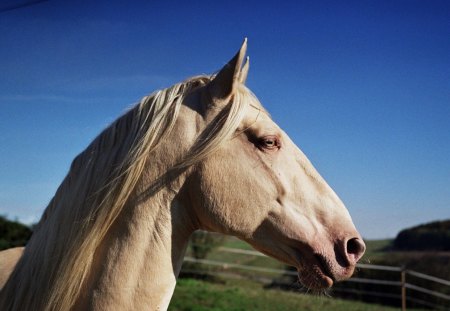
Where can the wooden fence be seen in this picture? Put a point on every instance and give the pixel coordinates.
(404, 282)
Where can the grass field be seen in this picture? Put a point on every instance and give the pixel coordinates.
(378, 252)
(245, 295)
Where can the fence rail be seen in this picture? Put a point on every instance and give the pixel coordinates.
(402, 284)
(428, 277)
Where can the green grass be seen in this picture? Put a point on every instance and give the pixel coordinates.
(209, 295)
(248, 292)
(245, 295)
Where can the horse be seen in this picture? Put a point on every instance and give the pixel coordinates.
(201, 154)
(8, 260)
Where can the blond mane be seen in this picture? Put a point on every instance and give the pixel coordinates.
(95, 191)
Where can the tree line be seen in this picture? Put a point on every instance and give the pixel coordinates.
(434, 236)
(13, 233)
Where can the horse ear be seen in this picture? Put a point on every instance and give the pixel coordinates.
(244, 71)
(225, 82)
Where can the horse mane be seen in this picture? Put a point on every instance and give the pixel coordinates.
(95, 191)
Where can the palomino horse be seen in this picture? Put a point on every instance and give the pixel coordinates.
(202, 154)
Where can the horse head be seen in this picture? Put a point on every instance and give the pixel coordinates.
(260, 187)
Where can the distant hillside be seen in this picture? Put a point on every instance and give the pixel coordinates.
(434, 236)
(13, 233)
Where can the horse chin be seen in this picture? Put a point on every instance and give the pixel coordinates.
(317, 275)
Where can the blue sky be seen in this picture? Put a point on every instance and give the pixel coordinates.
(363, 87)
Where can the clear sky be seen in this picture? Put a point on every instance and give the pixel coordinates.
(363, 87)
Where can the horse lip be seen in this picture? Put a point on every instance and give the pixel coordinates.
(324, 266)
(336, 274)
(316, 273)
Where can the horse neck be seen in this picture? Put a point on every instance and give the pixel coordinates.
(137, 265)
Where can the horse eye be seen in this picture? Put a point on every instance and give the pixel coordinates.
(269, 143)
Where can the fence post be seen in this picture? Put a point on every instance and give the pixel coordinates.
(403, 281)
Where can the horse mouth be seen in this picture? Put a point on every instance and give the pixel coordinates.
(317, 274)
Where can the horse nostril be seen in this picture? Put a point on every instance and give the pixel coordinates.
(355, 249)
